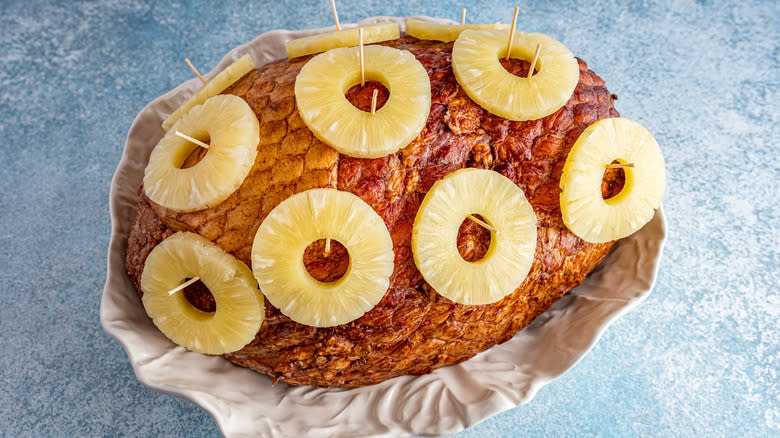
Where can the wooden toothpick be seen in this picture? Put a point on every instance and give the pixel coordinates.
(373, 101)
(618, 165)
(463, 17)
(326, 252)
(183, 285)
(482, 223)
(335, 14)
(512, 33)
(536, 58)
(194, 140)
(362, 69)
(195, 70)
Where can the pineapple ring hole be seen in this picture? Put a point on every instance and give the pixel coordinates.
(197, 153)
(326, 268)
(360, 96)
(613, 181)
(199, 296)
(473, 239)
(519, 67)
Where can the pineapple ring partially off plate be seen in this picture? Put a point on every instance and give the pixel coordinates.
(435, 233)
(372, 33)
(234, 132)
(585, 212)
(320, 90)
(298, 221)
(475, 62)
(239, 305)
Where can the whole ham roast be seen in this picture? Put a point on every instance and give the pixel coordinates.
(413, 330)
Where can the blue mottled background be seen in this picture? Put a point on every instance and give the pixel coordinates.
(698, 358)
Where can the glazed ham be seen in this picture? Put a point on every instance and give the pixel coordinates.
(413, 330)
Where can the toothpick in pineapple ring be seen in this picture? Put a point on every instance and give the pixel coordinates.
(320, 95)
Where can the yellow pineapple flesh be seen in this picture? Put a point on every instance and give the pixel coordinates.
(234, 133)
(320, 95)
(215, 86)
(435, 233)
(585, 212)
(426, 30)
(298, 221)
(372, 33)
(240, 309)
(476, 63)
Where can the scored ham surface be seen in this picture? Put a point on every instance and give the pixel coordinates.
(413, 330)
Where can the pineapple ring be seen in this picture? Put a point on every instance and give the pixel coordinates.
(585, 212)
(320, 95)
(372, 33)
(475, 62)
(240, 308)
(435, 233)
(284, 235)
(218, 84)
(427, 30)
(235, 133)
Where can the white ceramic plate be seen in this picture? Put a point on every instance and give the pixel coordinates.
(243, 403)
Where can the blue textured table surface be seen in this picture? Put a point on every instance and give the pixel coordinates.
(699, 358)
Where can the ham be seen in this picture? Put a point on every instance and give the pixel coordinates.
(413, 330)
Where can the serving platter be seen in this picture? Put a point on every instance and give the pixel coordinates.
(245, 403)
